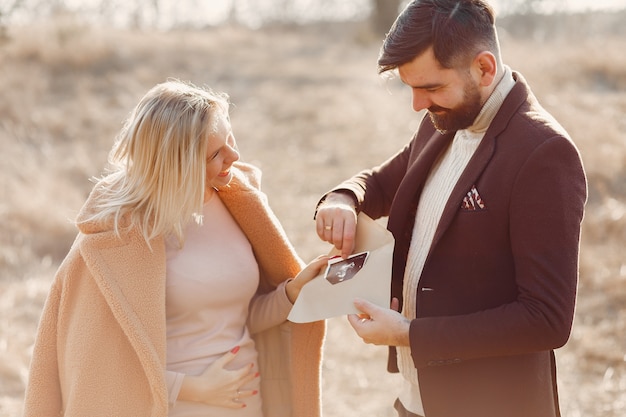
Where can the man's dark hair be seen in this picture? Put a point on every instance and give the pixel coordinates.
(456, 29)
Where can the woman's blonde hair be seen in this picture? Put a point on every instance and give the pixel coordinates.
(156, 175)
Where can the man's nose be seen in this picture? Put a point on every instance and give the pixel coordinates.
(421, 101)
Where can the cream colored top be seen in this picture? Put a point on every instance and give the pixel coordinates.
(437, 189)
(210, 287)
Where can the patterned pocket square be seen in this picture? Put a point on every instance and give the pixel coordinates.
(472, 200)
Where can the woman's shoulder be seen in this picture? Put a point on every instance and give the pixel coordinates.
(97, 216)
(245, 175)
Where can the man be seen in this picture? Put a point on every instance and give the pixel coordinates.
(485, 204)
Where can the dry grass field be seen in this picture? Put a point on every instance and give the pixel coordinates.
(309, 109)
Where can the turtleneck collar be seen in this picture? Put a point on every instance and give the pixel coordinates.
(493, 103)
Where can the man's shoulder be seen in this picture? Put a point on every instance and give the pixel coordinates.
(523, 115)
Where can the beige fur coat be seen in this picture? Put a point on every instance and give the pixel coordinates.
(100, 348)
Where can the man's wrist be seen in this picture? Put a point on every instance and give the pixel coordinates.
(337, 197)
(402, 337)
(341, 197)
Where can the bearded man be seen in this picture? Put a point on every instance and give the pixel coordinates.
(485, 204)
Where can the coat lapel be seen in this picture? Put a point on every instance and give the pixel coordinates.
(479, 160)
(402, 213)
(468, 178)
(131, 278)
(274, 253)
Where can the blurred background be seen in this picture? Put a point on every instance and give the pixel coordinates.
(310, 110)
(168, 14)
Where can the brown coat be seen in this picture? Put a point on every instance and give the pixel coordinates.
(498, 289)
(101, 350)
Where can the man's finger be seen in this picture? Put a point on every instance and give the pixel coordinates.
(395, 304)
(364, 306)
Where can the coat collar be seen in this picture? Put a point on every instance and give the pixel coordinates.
(483, 154)
(250, 208)
(428, 150)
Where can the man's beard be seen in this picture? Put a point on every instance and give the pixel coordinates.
(460, 117)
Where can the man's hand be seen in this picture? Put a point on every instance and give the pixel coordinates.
(380, 326)
(336, 222)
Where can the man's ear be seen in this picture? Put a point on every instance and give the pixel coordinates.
(485, 68)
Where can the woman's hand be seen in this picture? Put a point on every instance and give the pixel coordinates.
(309, 272)
(219, 386)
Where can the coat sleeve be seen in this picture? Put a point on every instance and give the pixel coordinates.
(43, 392)
(374, 189)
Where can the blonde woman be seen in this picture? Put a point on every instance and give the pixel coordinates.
(173, 299)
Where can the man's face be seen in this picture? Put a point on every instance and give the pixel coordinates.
(451, 96)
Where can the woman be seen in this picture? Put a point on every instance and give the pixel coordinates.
(173, 299)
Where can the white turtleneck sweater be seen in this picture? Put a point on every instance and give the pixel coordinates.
(437, 189)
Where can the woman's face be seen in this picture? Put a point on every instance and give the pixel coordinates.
(221, 153)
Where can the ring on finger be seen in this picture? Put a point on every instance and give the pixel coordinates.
(328, 228)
